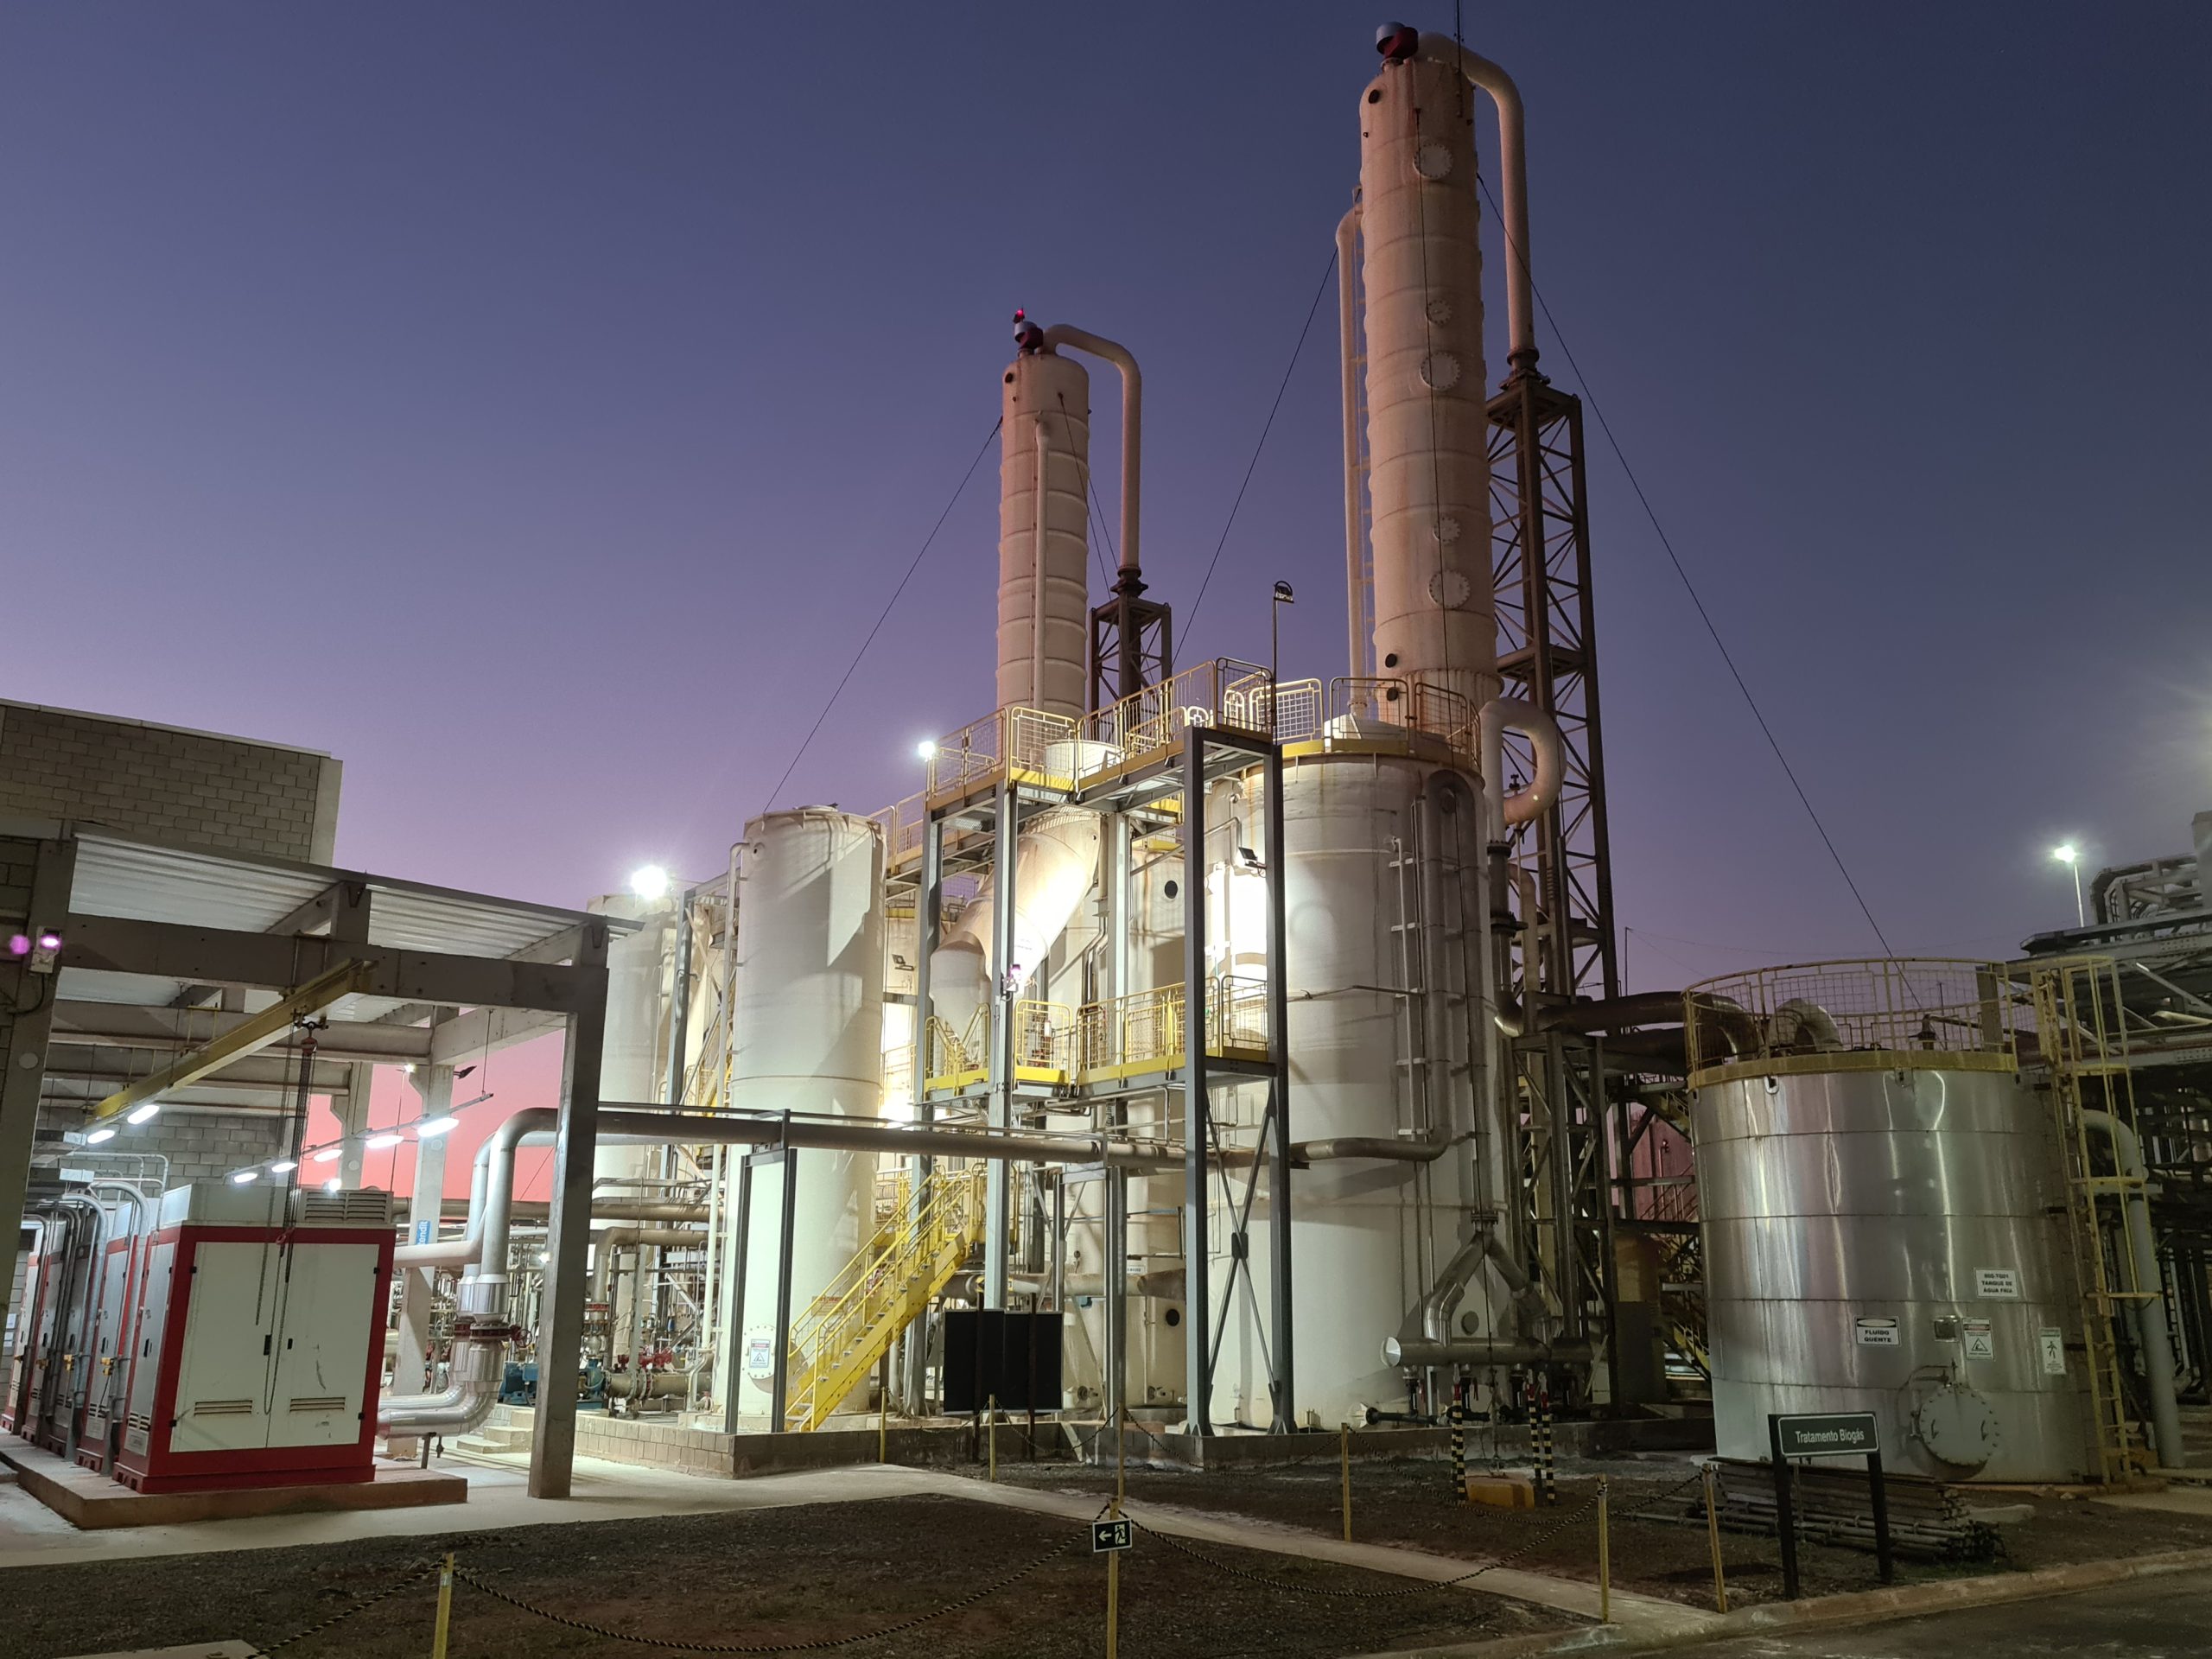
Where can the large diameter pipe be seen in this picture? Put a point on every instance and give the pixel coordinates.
(1411, 1354)
(1502, 715)
(1132, 425)
(1513, 189)
(1357, 622)
(2151, 1314)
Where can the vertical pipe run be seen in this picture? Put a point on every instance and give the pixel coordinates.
(779, 1389)
(1037, 555)
(1357, 622)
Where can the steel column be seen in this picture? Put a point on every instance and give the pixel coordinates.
(999, 1179)
(1198, 1343)
(1285, 1416)
(929, 932)
(29, 1007)
(560, 1355)
(419, 1286)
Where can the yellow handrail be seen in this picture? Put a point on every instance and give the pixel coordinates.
(880, 1292)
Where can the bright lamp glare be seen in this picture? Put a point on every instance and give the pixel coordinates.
(2067, 854)
(379, 1143)
(144, 1114)
(925, 749)
(650, 883)
(328, 1155)
(99, 1135)
(240, 1177)
(333, 1184)
(282, 1166)
(430, 1128)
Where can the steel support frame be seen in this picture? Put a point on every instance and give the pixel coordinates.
(1200, 1143)
(1547, 656)
(1567, 1200)
(1132, 643)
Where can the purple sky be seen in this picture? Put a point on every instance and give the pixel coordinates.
(531, 405)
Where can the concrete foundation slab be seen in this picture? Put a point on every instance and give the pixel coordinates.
(88, 1500)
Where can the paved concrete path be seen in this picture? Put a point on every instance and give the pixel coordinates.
(2158, 1619)
(1641, 1615)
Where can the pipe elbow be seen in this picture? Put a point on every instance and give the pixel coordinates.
(1503, 715)
(1124, 360)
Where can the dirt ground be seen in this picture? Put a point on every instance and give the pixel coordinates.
(763, 1577)
(1658, 1547)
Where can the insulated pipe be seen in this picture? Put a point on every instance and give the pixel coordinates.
(1513, 182)
(2150, 1315)
(1037, 565)
(1503, 715)
(611, 1243)
(1412, 1355)
(1356, 618)
(1132, 425)
(1387, 1148)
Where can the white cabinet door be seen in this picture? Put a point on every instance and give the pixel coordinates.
(222, 1383)
(323, 1344)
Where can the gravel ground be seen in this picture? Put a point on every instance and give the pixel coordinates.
(1657, 1548)
(778, 1576)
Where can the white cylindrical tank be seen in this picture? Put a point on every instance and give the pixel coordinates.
(1427, 432)
(807, 1038)
(633, 1059)
(1046, 410)
(1367, 1235)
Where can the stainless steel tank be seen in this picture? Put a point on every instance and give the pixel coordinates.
(1882, 1206)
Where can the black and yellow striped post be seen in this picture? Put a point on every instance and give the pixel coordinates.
(1458, 1417)
(1541, 1444)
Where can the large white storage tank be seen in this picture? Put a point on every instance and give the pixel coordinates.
(1882, 1205)
(1370, 1061)
(807, 1038)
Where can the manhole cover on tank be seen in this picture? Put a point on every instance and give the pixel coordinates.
(1959, 1427)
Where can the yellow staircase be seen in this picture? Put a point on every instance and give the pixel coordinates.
(881, 1292)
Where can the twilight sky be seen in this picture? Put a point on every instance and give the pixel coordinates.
(533, 404)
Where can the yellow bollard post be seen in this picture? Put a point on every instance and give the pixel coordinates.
(1713, 1535)
(1114, 1589)
(1605, 1559)
(994, 1432)
(1343, 1432)
(445, 1608)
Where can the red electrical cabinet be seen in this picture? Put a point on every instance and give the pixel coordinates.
(258, 1340)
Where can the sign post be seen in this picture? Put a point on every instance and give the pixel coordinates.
(1829, 1435)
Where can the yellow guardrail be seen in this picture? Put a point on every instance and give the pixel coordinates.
(1890, 1012)
(1144, 1031)
(881, 1292)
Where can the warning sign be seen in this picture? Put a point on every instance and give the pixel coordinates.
(2053, 1344)
(1876, 1333)
(1997, 1284)
(1981, 1340)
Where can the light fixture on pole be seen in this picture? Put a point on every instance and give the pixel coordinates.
(1282, 596)
(2070, 856)
(650, 883)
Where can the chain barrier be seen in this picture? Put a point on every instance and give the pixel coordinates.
(821, 1645)
(262, 1650)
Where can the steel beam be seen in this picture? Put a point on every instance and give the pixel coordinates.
(268, 961)
(250, 1035)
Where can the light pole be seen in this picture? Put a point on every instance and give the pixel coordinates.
(2070, 856)
(1282, 596)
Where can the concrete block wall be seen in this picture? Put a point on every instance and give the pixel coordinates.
(202, 1144)
(167, 784)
